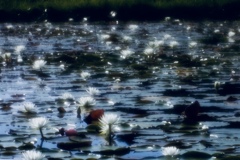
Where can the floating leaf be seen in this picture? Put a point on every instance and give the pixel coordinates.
(73, 145)
(118, 151)
(194, 154)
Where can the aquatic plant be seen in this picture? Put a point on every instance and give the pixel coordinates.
(85, 104)
(107, 122)
(38, 64)
(92, 91)
(66, 96)
(39, 123)
(205, 127)
(148, 51)
(32, 155)
(85, 75)
(173, 44)
(28, 107)
(126, 53)
(19, 49)
(170, 151)
(192, 44)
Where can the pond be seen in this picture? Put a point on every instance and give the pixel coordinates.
(171, 83)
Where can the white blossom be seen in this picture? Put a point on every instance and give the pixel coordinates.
(231, 34)
(38, 123)
(85, 75)
(39, 64)
(108, 120)
(173, 44)
(133, 27)
(86, 101)
(66, 96)
(32, 155)
(170, 151)
(92, 91)
(19, 49)
(148, 51)
(126, 53)
(192, 44)
(28, 107)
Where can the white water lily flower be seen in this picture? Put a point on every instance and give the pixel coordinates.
(167, 18)
(148, 51)
(126, 53)
(19, 59)
(231, 34)
(28, 107)
(32, 155)
(92, 91)
(86, 101)
(173, 44)
(108, 120)
(133, 27)
(167, 36)
(38, 123)
(85, 75)
(170, 151)
(39, 64)
(104, 36)
(19, 48)
(66, 96)
(192, 44)
(6, 55)
(127, 38)
(156, 43)
(205, 127)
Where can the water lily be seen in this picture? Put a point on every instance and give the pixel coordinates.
(170, 151)
(173, 44)
(6, 56)
(127, 38)
(167, 18)
(32, 155)
(113, 13)
(85, 104)
(19, 49)
(92, 91)
(28, 107)
(133, 27)
(205, 127)
(217, 85)
(39, 64)
(148, 51)
(19, 58)
(87, 101)
(156, 43)
(104, 36)
(85, 75)
(167, 36)
(126, 53)
(107, 122)
(66, 96)
(231, 34)
(192, 44)
(39, 123)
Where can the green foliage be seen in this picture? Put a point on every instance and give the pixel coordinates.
(73, 4)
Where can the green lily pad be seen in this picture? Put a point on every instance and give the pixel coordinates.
(194, 154)
(73, 145)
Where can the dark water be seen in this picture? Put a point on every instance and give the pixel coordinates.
(168, 65)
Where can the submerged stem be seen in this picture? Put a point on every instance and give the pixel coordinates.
(40, 129)
(110, 135)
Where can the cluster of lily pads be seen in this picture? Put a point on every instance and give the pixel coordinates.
(116, 58)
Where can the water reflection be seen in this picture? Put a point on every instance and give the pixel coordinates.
(147, 73)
